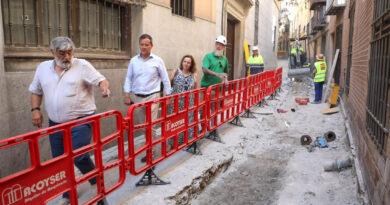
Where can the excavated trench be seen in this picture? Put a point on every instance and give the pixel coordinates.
(198, 184)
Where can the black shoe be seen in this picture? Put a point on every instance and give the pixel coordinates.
(143, 159)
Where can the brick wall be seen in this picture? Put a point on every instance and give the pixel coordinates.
(375, 167)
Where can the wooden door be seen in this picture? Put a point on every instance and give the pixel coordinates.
(230, 47)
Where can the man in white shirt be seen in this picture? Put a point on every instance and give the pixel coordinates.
(145, 73)
(67, 84)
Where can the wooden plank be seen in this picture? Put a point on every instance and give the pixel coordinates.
(330, 76)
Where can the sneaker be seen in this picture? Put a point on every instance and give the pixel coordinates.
(64, 201)
(143, 159)
(315, 102)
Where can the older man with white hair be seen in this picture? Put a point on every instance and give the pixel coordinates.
(215, 70)
(67, 84)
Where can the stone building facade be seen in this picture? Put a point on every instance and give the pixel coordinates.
(106, 34)
(364, 83)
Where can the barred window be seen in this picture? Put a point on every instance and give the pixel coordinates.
(379, 77)
(349, 60)
(92, 24)
(183, 8)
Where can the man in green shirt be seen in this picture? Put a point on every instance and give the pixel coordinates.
(215, 64)
(215, 70)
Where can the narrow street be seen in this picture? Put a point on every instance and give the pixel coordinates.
(261, 163)
(95, 94)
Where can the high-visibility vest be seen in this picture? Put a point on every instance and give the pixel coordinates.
(294, 51)
(321, 71)
(255, 60)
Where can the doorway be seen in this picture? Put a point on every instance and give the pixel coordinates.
(231, 24)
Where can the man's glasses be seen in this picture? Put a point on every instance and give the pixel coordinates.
(220, 63)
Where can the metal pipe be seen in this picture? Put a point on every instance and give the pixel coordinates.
(10, 23)
(119, 26)
(89, 26)
(59, 17)
(24, 22)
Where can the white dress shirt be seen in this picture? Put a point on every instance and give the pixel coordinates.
(69, 95)
(144, 76)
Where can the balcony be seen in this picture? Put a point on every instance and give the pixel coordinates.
(333, 7)
(311, 30)
(318, 21)
(316, 3)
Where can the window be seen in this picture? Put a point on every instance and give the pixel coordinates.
(349, 60)
(91, 24)
(183, 8)
(377, 109)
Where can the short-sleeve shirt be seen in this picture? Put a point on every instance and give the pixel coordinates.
(69, 95)
(215, 64)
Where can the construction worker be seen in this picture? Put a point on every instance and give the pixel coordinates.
(302, 55)
(319, 77)
(255, 62)
(255, 58)
(293, 58)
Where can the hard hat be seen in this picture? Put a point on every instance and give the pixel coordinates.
(255, 48)
(221, 39)
(320, 57)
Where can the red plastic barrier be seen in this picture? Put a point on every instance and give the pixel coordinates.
(170, 127)
(255, 86)
(203, 109)
(225, 102)
(269, 76)
(279, 74)
(43, 181)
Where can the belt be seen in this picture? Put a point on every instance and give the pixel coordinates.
(146, 95)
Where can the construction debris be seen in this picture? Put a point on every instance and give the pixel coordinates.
(338, 164)
(330, 136)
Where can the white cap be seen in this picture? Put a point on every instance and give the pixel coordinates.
(221, 39)
(255, 48)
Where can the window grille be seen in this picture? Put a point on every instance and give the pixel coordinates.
(337, 70)
(183, 8)
(377, 117)
(349, 60)
(96, 24)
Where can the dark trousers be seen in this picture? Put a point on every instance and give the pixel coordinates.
(81, 136)
(318, 90)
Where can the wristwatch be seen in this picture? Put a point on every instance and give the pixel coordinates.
(35, 108)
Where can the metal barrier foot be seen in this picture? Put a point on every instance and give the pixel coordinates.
(150, 178)
(248, 114)
(214, 135)
(102, 202)
(193, 149)
(237, 121)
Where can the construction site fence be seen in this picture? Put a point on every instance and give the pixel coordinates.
(165, 126)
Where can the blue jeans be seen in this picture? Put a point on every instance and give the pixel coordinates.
(318, 90)
(81, 136)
